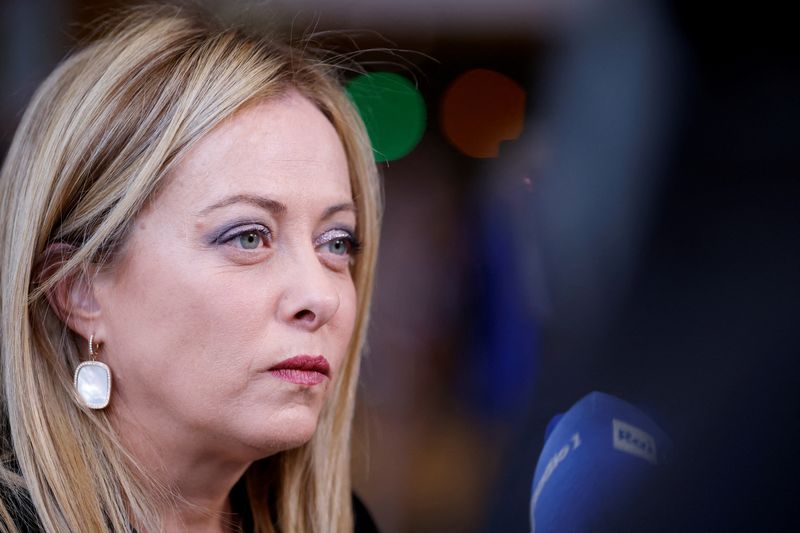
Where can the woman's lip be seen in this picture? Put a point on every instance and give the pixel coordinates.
(302, 369)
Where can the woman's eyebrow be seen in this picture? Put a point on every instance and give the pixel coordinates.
(273, 206)
(332, 210)
(268, 204)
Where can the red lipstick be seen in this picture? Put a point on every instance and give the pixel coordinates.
(302, 369)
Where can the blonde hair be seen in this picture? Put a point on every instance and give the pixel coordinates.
(96, 142)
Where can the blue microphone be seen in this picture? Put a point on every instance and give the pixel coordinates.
(597, 459)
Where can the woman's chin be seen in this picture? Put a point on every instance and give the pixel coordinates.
(291, 431)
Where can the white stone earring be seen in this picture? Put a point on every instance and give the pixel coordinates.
(93, 381)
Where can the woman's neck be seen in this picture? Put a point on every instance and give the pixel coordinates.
(188, 517)
(201, 478)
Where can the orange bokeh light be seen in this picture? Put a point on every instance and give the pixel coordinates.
(480, 109)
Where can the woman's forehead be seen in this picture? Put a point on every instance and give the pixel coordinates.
(284, 147)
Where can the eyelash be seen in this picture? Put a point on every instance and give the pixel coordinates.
(338, 234)
(229, 235)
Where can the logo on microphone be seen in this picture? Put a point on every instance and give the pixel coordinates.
(635, 441)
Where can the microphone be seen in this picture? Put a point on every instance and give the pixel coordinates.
(598, 460)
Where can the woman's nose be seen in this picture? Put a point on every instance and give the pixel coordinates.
(311, 297)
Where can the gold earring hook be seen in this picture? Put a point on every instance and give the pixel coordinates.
(91, 347)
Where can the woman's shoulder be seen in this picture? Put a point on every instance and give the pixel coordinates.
(23, 515)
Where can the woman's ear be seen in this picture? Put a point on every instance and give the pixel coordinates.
(72, 298)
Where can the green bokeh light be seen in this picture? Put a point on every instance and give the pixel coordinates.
(393, 111)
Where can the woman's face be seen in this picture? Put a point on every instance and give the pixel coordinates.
(230, 309)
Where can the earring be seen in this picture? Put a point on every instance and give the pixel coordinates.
(93, 381)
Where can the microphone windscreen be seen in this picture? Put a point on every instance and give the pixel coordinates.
(595, 459)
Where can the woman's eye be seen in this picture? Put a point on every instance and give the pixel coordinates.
(340, 246)
(246, 238)
(338, 242)
(249, 240)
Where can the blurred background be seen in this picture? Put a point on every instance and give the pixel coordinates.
(580, 195)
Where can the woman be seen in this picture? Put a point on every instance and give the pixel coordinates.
(189, 234)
